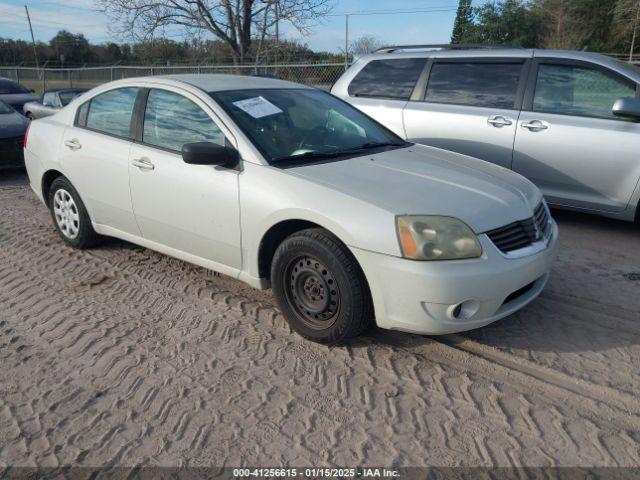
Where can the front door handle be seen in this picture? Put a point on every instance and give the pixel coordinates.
(143, 164)
(535, 125)
(73, 144)
(499, 121)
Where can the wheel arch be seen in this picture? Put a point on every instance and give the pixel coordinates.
(47, 179)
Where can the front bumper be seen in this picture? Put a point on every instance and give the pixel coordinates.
(422, 296)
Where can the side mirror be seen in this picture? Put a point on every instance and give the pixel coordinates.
(627, 108)
(207, 153)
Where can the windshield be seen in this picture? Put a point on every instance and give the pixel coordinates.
(4, 108)
(8, 87)
(299, 124)
(67, 96)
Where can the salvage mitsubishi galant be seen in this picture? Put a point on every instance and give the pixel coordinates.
(282, 185)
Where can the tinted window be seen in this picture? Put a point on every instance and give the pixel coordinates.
(9, 87)
(111, 112)
(172, 120)
(4, 108)
(492, 85)
(580, 91)
(67, 96)
(387, 78)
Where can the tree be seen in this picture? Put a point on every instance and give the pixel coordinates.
(507, 22)
(235, 22)
(364, 45)
(463, 24)
(71, 48)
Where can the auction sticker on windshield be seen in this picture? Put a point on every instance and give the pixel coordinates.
(257, 107)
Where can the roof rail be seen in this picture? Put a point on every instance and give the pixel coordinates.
(442, 46)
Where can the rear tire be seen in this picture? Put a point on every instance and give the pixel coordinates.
(320, 287)
(70, 216)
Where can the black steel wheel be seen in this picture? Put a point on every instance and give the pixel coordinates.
(312, 292)
(320, 287)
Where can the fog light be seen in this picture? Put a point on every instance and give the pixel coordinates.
(463, 310)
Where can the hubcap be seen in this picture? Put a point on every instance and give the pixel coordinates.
(312, 292)
(66, 213)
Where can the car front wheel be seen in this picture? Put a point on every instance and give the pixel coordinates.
(70, 216)
(320, 287)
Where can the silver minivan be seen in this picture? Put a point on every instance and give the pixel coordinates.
(568, 121)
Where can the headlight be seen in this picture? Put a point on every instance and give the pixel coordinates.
(432, 237)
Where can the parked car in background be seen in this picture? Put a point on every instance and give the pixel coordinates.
(52, 101)
(568, 121)
(279, 184)
(15, 95)
(12, 130)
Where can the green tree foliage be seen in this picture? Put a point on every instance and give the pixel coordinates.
(463, 25)
(595, 25)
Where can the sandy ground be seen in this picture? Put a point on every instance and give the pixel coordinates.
(122, 356)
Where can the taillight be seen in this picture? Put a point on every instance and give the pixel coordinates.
(26, 134)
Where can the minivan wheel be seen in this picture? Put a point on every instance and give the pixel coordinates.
(70, 216)
(320, 288)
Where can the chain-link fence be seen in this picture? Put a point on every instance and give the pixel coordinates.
(317, 75)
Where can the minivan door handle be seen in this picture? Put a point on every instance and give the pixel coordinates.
(73, 144)
(535, 125)
(143, 163)
(499, 121)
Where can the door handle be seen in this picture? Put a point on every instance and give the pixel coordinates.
(73, 144)
(143, 163)
(499, 121)
(535, 125)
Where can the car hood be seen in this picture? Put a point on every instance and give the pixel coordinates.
(429, 181)
(19, 99)
(12, 125)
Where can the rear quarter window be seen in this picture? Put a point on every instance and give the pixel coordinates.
(393, 78)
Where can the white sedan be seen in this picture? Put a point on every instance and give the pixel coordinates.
(282, 185)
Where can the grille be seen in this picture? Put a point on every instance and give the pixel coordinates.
(523, 233)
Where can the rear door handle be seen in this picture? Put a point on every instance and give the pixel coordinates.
(73, 144)
(499, 121)
(143, 163)
(535, 125)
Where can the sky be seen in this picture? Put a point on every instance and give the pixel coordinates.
(393, 22)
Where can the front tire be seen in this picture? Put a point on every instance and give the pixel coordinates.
(320, 287)
(70, 216)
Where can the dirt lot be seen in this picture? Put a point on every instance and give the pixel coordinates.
(122, 356)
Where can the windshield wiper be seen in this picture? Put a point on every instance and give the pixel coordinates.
(308, 155)
(369, 145)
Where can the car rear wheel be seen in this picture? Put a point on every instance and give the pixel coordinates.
(70, 216)
(320, 287)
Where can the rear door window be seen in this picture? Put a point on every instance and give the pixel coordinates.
(393, 78)
(111, 112)
(475, 84)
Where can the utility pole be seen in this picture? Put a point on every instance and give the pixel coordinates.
(275, 54)
(33, 40)
(635, 29)
(346, 42)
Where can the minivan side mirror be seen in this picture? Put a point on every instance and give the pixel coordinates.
(207, 153)
(627, 108)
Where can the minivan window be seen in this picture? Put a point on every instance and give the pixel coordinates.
(110, 112)
(475, 84)
(171, 120)
(578, 91)
(394, 78)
